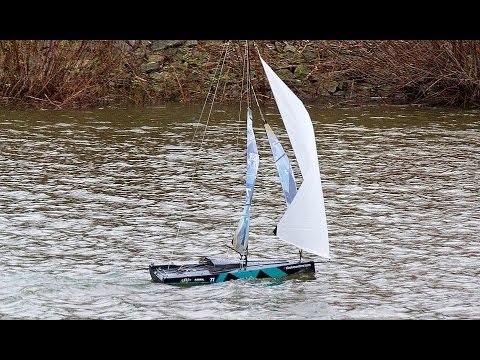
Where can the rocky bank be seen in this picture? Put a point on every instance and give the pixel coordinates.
(181, 70)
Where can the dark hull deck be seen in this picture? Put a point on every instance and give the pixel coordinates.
(209, 271)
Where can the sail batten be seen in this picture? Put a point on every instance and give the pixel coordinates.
(304, 222)
(240, 238)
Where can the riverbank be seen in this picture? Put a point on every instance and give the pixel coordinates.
(76, 74)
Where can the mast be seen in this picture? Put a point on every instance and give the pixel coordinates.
(240, 239)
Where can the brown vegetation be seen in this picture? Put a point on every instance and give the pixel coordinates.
(59, 73)
(427, 72)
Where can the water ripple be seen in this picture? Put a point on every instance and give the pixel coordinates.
(89, 198)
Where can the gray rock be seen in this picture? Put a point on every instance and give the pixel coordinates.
(324, 92)
(180, 66)
(158, 76)
(284, 74)
(179, 55)
(165, 44)
(278, 46)
(309, 55)
(290, 48)
(191, 42)
(331, 86)
(158, 58)
(150, 67)
(301, 72)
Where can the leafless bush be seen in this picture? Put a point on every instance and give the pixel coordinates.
(434, 72)
(61, 73)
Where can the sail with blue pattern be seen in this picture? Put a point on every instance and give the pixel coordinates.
(284, 168)
(240, 239)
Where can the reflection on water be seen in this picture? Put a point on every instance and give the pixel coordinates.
(89, 198)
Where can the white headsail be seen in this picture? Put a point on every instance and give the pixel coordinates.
(304, 223)
(240, 239)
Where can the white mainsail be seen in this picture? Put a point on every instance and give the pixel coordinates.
(304, 223)
(240, 238)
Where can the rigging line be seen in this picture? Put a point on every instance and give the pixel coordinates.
(240, 108)
(248, 74)
(183, 215)
(214, 95)
(253, 90)
(258, 105)
(225, 47)
(241, 95)
(256, 48)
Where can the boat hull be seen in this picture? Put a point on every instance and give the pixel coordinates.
(209, 271)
